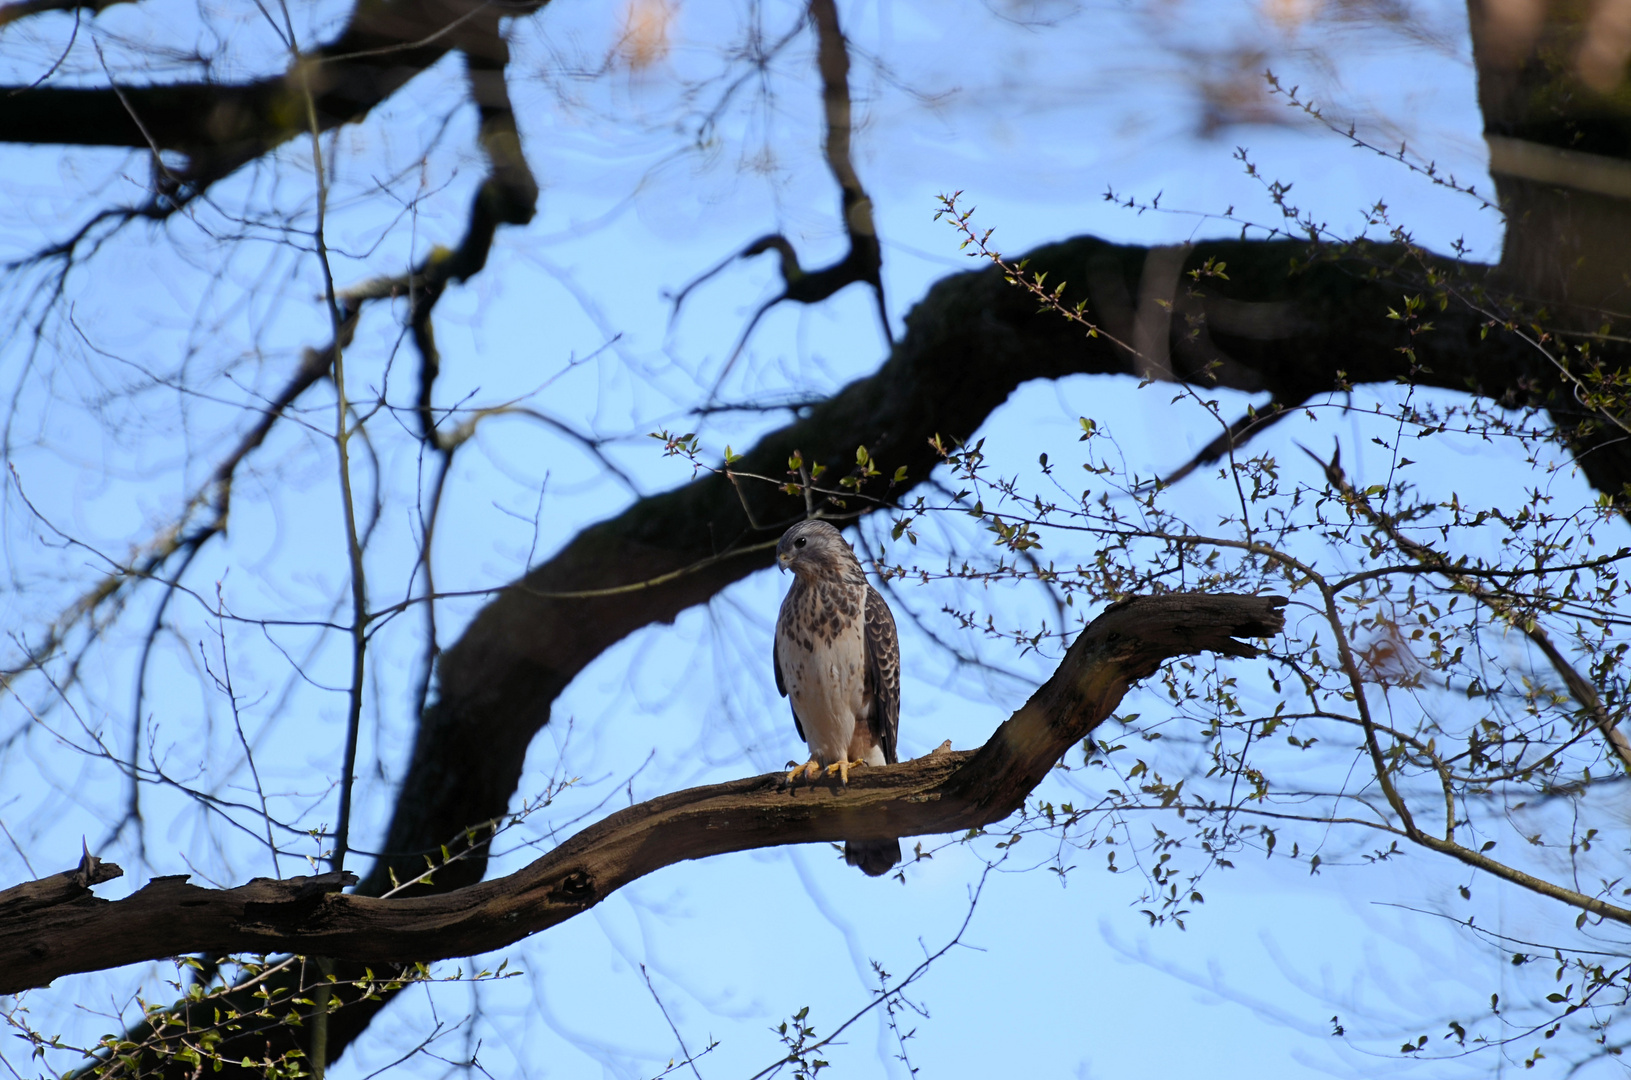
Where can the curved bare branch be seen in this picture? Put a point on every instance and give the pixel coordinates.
(62, 929)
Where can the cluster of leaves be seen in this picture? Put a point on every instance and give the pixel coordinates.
(1452, 681)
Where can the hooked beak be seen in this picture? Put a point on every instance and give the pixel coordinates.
(782, 559)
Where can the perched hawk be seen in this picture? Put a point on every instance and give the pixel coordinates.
(838, 661)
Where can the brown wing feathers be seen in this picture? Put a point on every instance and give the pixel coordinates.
(781, 684)
(882, 673)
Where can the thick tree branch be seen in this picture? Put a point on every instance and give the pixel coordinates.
(21, 901)
(1551, 88)
(221, 126)
(968, 345)
(62, 929)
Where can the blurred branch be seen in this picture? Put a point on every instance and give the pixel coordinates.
(1253, 422)
(864, 260)
(507, 196)
(184, 538)
(354, 548)
(801, 1042)
(22, 9)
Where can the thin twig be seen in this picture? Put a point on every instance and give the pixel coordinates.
(689, 1060)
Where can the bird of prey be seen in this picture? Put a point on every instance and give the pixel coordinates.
(838, 662)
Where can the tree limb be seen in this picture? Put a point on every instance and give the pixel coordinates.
(222, 126)
(64, 930)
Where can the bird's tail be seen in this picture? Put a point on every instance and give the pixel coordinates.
(874, 857)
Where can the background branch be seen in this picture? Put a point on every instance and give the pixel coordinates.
(863, 262)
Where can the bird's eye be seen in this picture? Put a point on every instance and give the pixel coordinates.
(799, 542)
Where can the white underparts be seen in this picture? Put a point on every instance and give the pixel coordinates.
(827, 686)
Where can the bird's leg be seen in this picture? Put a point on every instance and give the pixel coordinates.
(842, 768)
(811, 770)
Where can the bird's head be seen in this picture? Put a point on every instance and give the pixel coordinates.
(812, 546)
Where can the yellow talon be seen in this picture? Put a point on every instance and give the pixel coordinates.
(811, 769)
(842, 768)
